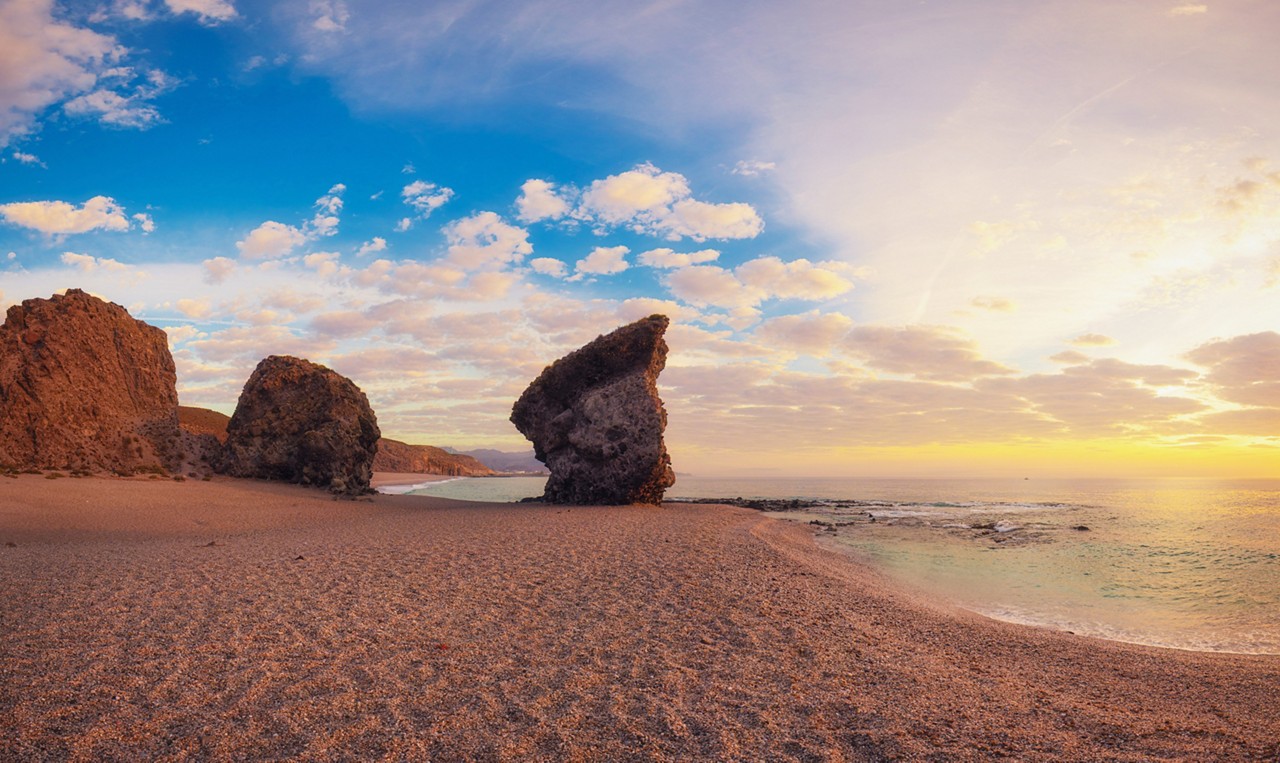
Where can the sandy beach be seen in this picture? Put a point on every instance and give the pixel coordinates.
(253, 621)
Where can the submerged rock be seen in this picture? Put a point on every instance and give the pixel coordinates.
(84, 385)
(596, 421)
(301, 422)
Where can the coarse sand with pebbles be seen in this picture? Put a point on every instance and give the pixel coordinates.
(150, 619)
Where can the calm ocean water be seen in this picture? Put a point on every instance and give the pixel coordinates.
(1191, 564)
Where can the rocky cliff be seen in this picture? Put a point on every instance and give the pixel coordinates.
(301, 422)
(83, 385)
(396, 456)
(596, 421)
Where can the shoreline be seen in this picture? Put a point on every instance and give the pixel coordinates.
(403, 479)
(236, 618)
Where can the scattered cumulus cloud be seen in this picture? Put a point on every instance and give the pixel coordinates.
(271, 240)
(813, 333)
(329, 15)
(86, 263)
(935, 353)
(603, 260)
(1092, 340)
(46, 61)
(753, 167)
(484, 241)
(1244, 369)
(644, 200)
(26, 158)
(218, 269)
(1069, 358)
(60, 218)
(549, 266)
(538, 200)
(425, 197)
(144, 222)
(377, 244)
(207, 11)
(669, 258)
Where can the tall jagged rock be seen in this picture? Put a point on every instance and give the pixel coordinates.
(596, 421)
(396, 456)
(301, 422)
(83, 385)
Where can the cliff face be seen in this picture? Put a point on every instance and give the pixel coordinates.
(596, 421)
(304, 423)
(396, 456)
(83, 385)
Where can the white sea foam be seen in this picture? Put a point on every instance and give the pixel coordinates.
(402, 489)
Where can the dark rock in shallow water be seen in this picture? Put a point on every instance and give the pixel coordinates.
(596, 421)
(83, 385)
(302, 422)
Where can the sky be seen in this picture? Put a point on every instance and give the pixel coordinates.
(974, 238)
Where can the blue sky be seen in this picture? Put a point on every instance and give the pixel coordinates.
(953, 238)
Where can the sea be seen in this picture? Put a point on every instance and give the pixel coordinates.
(1181, 563)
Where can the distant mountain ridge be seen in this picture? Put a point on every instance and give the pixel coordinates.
(504, 461)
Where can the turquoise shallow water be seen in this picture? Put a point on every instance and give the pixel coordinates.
(1192, 564)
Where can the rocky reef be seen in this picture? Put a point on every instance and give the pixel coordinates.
(85, 386)
(301, 422)
(596, 421)
(396, 456)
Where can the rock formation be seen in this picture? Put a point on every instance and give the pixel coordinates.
(302, 422)
(83, 385)
(596, 421)
(396, 456)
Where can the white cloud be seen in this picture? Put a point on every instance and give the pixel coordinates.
(798, 279)
(324, 263)
(709, 285)
(59, 218)
(114, 109)
(405, 224)
(753, 167)
(194, 308)
(378, 244)
(325, 222)
(548, 266)
(1188, 9)
(425, 197)
(218, 269)
(145, 222)
(484, 241)
(329, 15)
(644, 193)
(44, 61)
(271, 240)
(26, 158)
(1093, 340)
(208, 11)
(813, 332)
(647, 200)
(603, 260)
(86, 263)
(755, 281)
(538, 200)
(668, 258)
